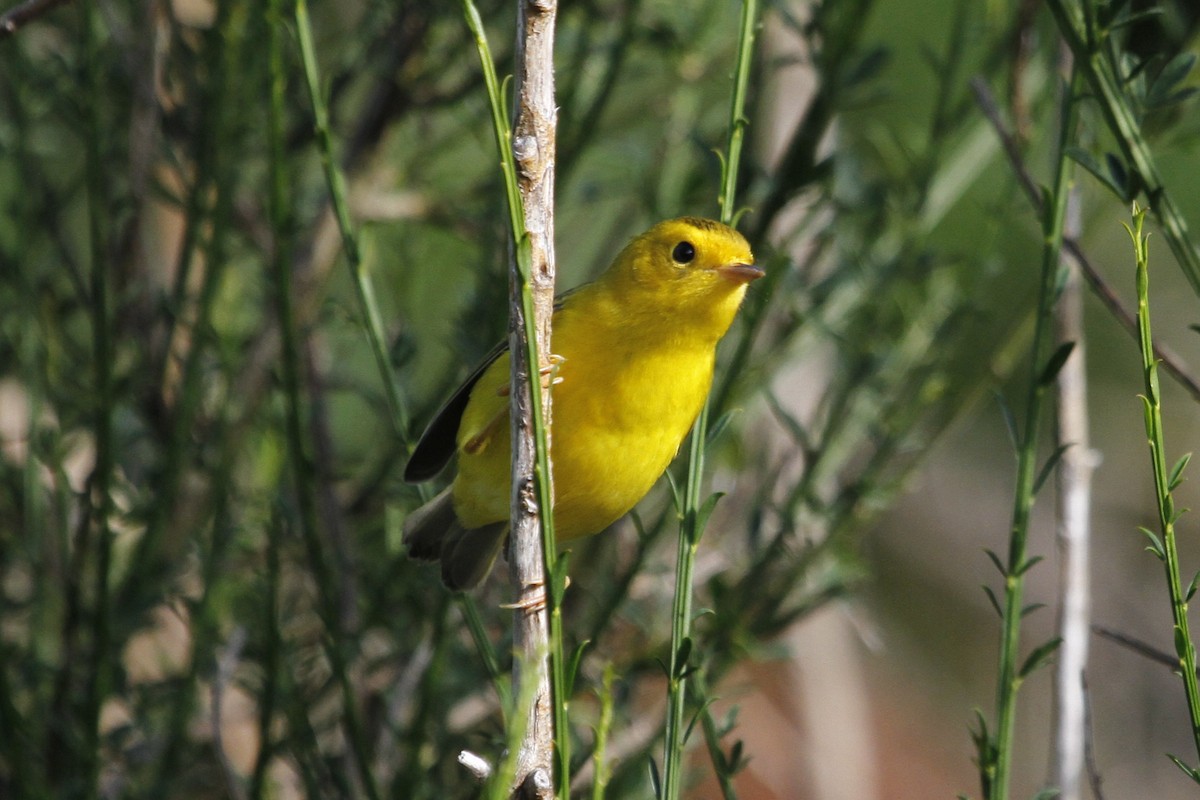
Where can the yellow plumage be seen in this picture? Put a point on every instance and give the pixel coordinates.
(637, 348)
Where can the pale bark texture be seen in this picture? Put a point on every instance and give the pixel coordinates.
(533, 148)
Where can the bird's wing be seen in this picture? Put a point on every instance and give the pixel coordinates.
(438, 442)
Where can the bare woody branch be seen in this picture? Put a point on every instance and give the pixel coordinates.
(15, 19)
(533, 145)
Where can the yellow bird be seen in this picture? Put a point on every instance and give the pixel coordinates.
(635, 361)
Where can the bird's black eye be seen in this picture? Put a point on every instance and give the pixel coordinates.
(683, 253)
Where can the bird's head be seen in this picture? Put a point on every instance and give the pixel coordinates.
(688, 267)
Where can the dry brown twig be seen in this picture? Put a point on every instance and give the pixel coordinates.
(15, 19)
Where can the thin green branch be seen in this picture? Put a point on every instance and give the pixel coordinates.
(1164, 485)
(301, 463)
(694, 511)
(602, 770)
(996, 774)
(363, 286)
(483, 645)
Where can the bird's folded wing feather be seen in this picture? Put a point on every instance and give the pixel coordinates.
(439, 441)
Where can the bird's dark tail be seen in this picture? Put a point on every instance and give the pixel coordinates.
(433, 533)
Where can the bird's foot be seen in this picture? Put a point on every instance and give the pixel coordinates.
(548, 374)
(534, 599)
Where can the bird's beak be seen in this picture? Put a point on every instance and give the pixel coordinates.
(741, 273)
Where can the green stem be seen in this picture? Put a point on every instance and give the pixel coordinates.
(737, 111)
(692, 523)
(601, 770)
(1164, 485)
(1009, 680)
(483, 645)
(301, 463)
(364, 288)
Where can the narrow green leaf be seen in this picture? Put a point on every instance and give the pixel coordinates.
(1191, 590)
(655, 779)
(1147, 415)
(1055, 364)
(1181, 643)
(1155, 545)
(991, 596)
(676, 497)
(737, 759)
(867, 67)
(719, 426)
(558, 579)
(1032, 607)
(1048, 467)
(797, 431)
(573, 667)
(996, 560)
(1173, 73)
(1158, 102)
(1049, 793)
(682, 655)
(1126, 16)
(1039, 657)
(1119, 177)
(1028, 565)
(687, 732)
(705, 511)
(1085, 160)
(1177, 471)
(1191, 772)
(980, 734)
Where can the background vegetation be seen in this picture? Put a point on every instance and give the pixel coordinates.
(202, 586)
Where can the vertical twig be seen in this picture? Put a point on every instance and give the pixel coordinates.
(996, 755)
(537, 574)
(27, 12)
(363, 286)
(1164, 484)
(532, 566)
(695, 510)
(301, 463)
